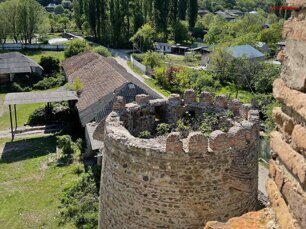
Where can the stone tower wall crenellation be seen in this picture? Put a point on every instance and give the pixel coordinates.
(175, 181)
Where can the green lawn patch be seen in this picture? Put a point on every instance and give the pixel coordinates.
(30, 188)
(153, 84)
(23, 113)
(36, 55)
(243, 96)
(136, 70)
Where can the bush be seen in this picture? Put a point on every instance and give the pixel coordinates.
(191, 57)
(183, 127)
(102, 51)
(162, 129)
(50, 64)
(65, 144)
(18, 88)
(80, 202)
(77, 85)
(58, 112)
(144, 134)
(50, 82)
(38, 117)
(138, 56)
(59, 9)
(152, 59)
(75, 47)
(69, 150)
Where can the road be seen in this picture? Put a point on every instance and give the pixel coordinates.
(122, 57)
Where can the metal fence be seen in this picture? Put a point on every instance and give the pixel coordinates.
(146, 70)
(19, 46)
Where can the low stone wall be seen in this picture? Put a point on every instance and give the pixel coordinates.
(177, 182)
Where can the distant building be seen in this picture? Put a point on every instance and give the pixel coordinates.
(50, 7)
(179, 49)
(163, 47)
(246, 51)
(264, 48)
(15, 64)
(225, 15)
(234, 13)
(203, 12)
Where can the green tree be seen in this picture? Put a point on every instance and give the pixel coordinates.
(144, 38)
(263, 82)
(30, 18)
(192, 13)
(182, 8)
(161, 17)
(75, 47)
(59, 9)
(181, 34)
(50, 64)
(152, 59)
(271, 35)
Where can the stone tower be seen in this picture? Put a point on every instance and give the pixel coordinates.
(177, 181)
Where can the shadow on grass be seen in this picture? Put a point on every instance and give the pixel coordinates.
(27, 149)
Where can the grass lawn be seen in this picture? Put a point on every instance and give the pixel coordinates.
(29, 187)
(23, 113)
(153, 84)
(243, 96)
(36, 55)
(182, 61)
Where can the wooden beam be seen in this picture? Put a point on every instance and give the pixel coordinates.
(12, 130)
(15, 111)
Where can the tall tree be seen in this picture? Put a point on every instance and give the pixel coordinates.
(192, 13)
(78, 9)
(182, 8)
(161, 15)
(91, 16)
(173, 17)
(30, 17)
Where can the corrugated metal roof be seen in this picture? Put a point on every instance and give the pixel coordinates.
(16, 62)
(245, 51)
(39, 97)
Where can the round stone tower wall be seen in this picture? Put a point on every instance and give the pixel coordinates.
(177, 182)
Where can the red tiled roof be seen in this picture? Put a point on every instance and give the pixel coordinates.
(99, 77)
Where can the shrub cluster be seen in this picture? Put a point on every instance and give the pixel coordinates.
(80, 202)
(70, 150)
(75, 47)
(103, 51)
(50, 64)
(206, 123)
(50, 82)
(57, 112)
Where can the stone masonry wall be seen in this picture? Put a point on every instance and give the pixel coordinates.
(175, 182)
(287, 183)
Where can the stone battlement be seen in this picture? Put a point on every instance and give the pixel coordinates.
(238, 137)
(177, 180)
